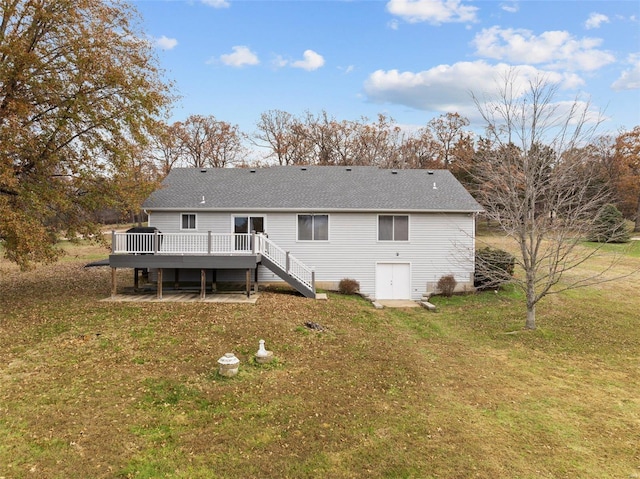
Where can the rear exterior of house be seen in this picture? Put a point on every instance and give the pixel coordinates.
(396, 232)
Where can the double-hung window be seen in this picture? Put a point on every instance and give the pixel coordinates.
(188, 221)
(313, 227)
(393, 228)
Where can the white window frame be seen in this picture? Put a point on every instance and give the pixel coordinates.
(249, 216)
(195, 221)
(393, 231)
(313, 240)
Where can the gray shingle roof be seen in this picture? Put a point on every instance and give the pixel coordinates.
(311, 189)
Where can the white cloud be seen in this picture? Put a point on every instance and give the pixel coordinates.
(165, 43)
(240, 57)
(311, 61)
(279, 62)
(553, 49)
(595, 20)
(216, 3)
(432, 11)
(629, 79)
(512, 7)
(447, 88)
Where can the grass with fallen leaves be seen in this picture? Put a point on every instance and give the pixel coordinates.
(97, 389)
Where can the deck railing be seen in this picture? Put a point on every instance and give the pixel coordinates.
(212, 244)
(180, 243)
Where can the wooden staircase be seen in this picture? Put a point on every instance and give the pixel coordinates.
(286, 266)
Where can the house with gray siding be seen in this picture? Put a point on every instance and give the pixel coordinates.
(396, 232)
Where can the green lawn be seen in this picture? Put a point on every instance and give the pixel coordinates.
(117, 390)
(631, 248)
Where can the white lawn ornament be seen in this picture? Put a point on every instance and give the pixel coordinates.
(263, 356)
(228, 365)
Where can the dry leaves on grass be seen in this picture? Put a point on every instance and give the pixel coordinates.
(103, 389)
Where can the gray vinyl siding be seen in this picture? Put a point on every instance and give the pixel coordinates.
(169, 221)
(439, 244)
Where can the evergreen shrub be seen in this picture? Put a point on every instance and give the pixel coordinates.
(609, 226)
(494, 267)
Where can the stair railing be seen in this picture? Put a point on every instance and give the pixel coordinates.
(285, 261)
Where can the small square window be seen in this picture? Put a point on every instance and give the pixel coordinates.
(188, 221)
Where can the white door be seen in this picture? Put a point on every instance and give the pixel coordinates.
(393, 281)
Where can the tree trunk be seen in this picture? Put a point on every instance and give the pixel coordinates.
(531, 298)
(531, 317)
(637, 226)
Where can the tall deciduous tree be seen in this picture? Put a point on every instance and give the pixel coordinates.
(280, 133)
(420, 150)
(449, 130)
(166, 148)
(377, 144)
(627, 161)
(206, 141)
(79, 91)
(533, 186)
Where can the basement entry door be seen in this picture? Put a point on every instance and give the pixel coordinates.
(393, 281)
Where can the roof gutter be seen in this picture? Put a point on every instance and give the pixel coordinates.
(307, 210)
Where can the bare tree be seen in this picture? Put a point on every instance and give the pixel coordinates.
(206, 141)
(278, 133)
(326, 137)
(448, 130)
(378, 144)
(323, 140)
(535, 187)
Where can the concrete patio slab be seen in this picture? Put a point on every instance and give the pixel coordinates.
(398, 303)
(184, 297)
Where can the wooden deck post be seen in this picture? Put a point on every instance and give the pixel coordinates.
(135, 279)
(255, 280)
(176, 278)
(159, 288)
(203, 283)
(248, 283)
(114, 285)
(288, 263)
(214, 286)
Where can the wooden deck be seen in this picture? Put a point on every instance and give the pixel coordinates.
(184, 297)
(206, 252)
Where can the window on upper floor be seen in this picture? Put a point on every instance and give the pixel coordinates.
(188, 221)
(393, 228)
(313, 227)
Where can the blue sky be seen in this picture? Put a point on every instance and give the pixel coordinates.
(409, 59)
